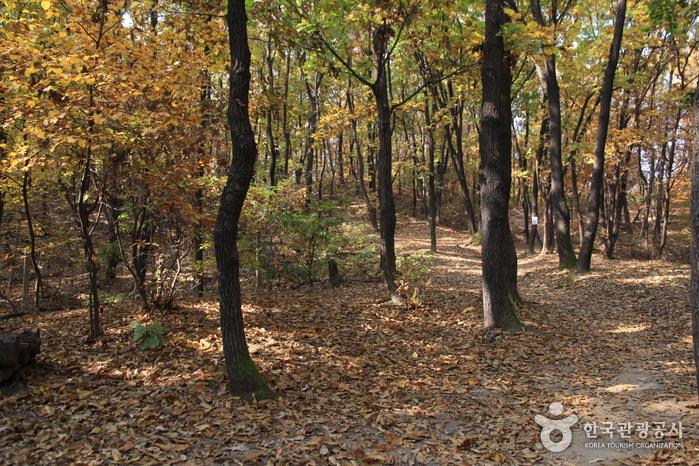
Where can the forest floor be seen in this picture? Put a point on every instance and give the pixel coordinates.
(360, 381)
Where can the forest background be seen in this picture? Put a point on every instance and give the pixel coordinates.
(115, 145)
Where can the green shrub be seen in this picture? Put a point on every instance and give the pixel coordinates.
(284, 237)
(147, 336)
(412, 273)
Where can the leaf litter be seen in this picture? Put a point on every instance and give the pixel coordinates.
(360, 381)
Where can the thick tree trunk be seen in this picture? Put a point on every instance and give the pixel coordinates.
(499, 261)
(244, 379)
(595, 199)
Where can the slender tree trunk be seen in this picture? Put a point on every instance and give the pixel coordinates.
(32, 238)
(432, 206)
(272, 146)
(198, 241)
(457, 157)
(669, 183)
(499, 263)
(244, 379)
(88, 246)
(559, 205)
(536, 189)
(371, 210)
(576, 199)
(285, 117)
(695, 240)
(595, 199)
(311, 150)
(384, 129)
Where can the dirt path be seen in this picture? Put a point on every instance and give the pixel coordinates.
(620, 352)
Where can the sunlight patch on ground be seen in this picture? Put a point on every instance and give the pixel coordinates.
(629, 328)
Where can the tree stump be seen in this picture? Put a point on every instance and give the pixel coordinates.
(335, 278)
(18, 350)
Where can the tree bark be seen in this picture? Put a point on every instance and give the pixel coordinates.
(387, 205)
(595, 199)
(371, 210)
(432, 189)
(561, 213)
(313, 95)
(499, 263)
(695, 239)
(244, 379)
(457, 157)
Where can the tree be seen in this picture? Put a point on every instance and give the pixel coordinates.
(499, 262)
(595, 199)
(694, 258)
(384, 39)
(244, 379)
(552, 93)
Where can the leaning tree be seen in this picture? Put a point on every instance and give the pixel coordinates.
(244, 379)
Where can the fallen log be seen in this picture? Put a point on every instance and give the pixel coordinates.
(18, 350)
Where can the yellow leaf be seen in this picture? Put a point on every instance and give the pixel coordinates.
(127, 446)
(45, 4)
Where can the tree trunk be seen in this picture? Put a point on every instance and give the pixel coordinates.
(534, 226)
(695, 239)
(89, 248)
(432, 206)
(457, 158)
(244, 379)
(32, 238)
(334, 274)
(595, 199)
(272, 146)
(499, 261)
(371, 210)
(387, 206)
(561, 214)
(313, 91)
